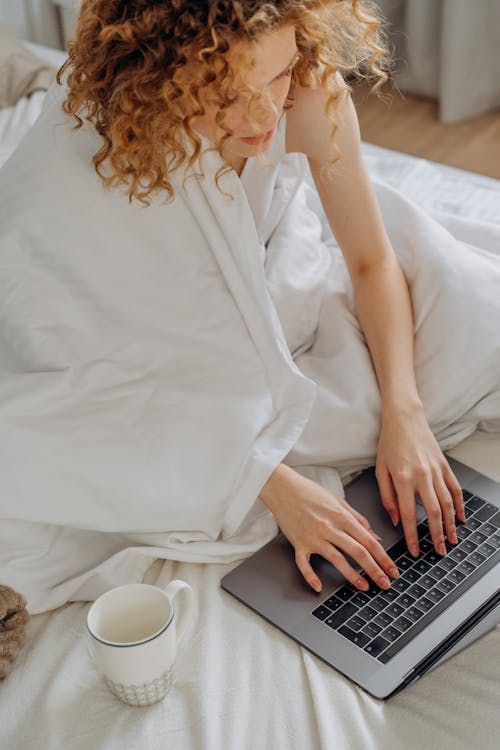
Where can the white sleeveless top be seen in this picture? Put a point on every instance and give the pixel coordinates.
(296, 262)
(269, 190)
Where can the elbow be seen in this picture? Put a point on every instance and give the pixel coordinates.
(366, 270)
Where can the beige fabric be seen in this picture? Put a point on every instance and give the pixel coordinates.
(13, 618)
(21, 72)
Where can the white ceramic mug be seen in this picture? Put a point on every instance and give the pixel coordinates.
(137, 629)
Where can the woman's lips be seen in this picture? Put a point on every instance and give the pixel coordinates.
(256, 140)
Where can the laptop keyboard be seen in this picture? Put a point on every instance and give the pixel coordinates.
(381, 622)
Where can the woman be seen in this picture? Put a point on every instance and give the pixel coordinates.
(160, 82)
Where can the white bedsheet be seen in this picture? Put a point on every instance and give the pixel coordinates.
(240, 683)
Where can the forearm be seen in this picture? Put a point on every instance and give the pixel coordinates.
(385, 314)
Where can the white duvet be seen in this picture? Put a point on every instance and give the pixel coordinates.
(147, 388)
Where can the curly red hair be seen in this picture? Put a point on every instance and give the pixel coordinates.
(132, 61)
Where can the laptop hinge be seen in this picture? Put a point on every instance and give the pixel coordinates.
(423, 666)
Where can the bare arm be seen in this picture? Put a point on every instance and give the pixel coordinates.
(409, 459)
(380, 291)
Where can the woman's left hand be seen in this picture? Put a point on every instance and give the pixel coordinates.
(410, 462)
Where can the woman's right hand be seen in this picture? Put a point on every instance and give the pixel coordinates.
(316, 521)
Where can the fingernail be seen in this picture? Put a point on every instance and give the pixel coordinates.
(362, 584)
(453, 538)
(384, 582)
(394, 520)
(442, 549)
(414, 550)
(394, 572)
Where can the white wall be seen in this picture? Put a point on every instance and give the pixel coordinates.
(40, 21)
(13, 15)
(68, 10)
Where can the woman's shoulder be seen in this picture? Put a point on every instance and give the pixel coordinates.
(306, 115)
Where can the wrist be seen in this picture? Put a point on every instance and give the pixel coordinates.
(396, 405)
(277, 484)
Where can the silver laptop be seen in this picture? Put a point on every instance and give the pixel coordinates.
(385, 640)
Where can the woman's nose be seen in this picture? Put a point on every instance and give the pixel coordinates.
(268, 112)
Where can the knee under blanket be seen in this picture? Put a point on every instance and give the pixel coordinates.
(154, 371)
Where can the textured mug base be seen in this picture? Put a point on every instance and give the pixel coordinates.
(145, 694)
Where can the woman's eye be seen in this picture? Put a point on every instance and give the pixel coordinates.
(286, 73)
(220, 102)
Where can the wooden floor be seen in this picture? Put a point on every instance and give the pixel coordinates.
(411, 124)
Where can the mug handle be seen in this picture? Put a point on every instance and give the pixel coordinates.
(182, 617)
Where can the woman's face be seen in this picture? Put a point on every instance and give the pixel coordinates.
(274, 56)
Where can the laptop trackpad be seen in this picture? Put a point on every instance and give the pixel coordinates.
(363, 494)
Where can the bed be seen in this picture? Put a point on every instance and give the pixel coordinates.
(239, 682)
